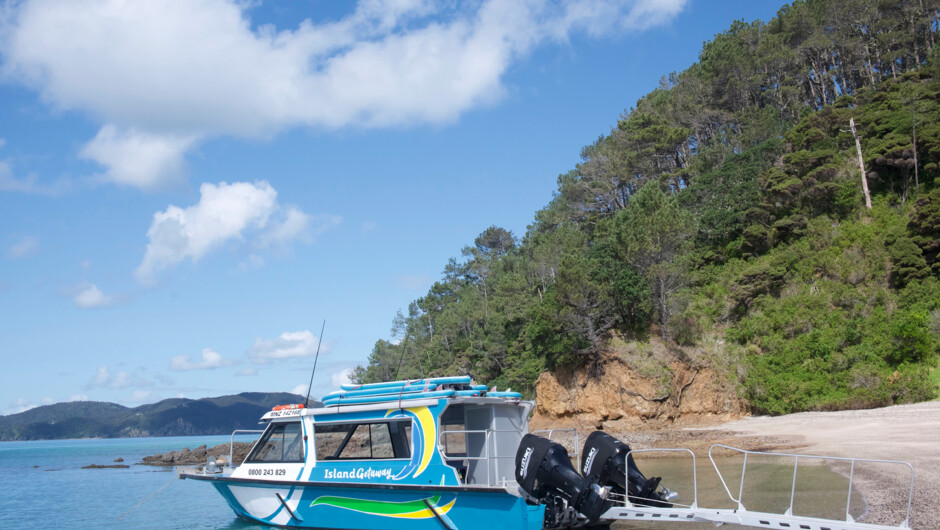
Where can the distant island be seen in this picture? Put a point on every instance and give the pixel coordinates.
(170, 417)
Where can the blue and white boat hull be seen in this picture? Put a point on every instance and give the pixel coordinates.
(358, 506)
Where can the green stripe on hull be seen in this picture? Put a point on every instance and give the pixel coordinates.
(385, 508)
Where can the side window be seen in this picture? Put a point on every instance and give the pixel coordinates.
(363, 441)
(282, 442)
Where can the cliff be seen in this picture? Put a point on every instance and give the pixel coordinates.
(637, 386)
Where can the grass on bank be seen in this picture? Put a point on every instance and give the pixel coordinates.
(935, 379)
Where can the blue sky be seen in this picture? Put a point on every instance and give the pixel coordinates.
(187, 191)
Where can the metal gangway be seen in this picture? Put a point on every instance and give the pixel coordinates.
(629, 508)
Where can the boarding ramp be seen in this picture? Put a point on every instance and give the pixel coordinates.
(629, 508)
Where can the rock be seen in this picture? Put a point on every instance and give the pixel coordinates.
(199, 455)
(109, 466)
(635, 387)
(118, 459)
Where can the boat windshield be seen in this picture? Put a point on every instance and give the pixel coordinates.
(282, 442)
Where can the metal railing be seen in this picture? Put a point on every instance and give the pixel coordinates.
(641, 511)
(231, 444)
(442, 446)
(491, 456)
(627, 496)
(577, 440)
(796, 461)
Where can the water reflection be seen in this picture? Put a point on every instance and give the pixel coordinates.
(820, 491)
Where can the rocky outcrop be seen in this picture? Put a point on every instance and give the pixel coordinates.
(199, 455)
(636, 387)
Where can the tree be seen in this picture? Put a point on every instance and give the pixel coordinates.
(488, 247)
(651, 233)
(861, 164)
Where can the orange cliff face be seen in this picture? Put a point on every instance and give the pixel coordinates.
(655, 389)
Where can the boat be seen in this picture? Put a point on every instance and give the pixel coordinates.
(445, 453)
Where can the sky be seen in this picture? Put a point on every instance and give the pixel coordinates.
(188, 190)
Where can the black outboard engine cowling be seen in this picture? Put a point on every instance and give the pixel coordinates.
(606, 461)
(544, 471)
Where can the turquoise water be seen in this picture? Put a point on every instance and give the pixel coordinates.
(43, 486)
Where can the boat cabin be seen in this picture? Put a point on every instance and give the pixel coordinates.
(429, 436)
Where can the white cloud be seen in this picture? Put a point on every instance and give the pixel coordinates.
(2, 143)
(343, 377)
(300, 390)
(20, 405)
(88, 296)
(295, 225)
(105, 379)
(139, 396)
(30, 184)
(137, 158)
(162, 76)
(26, 247)
(248, 371)
(225, 213)
(368, 226)
(210, 359)
(78, 397)
(288, 345)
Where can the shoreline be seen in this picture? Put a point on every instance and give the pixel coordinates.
(908, 433)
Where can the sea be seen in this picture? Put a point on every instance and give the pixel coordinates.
(43, 485)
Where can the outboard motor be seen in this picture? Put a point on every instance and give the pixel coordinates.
(544, 471)
(606, 461)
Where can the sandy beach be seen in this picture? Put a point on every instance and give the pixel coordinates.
(909, 433)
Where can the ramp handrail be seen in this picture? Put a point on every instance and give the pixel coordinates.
(694, 504)
(796, 461)
(628, 511)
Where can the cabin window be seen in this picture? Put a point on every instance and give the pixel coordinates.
(363, 441)
(454, 435)
(282, 442)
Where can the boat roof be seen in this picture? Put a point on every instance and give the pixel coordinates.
(399, 394)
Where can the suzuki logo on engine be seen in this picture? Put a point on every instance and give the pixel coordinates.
(588, 461)
(524, 464)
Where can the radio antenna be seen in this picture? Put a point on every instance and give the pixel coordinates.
(404, 345)
(315, 357)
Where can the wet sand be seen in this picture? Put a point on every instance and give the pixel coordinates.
(909, 433)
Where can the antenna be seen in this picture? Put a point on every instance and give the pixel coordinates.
(315, 357)
(402, 356)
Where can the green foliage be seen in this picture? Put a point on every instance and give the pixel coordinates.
(907, 258)
(651, 233)
(935, 380)
(723, 198)
(727, 204)
(924, 228)
(833, 337)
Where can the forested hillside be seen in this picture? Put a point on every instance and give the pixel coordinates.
(170, 417)
(733, 203)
